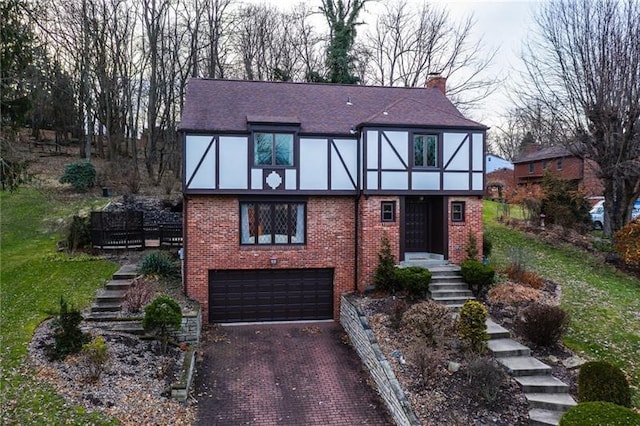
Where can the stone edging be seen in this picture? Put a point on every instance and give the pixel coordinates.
(364, 341)
(180, 389)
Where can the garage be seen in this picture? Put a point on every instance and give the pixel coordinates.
(270, 295)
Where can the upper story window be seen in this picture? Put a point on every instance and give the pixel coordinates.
(545, 164)
(268, 223)
(531, 167)
(425, 150)
(272, 149)
(559, 164)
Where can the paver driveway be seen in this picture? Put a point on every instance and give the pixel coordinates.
(284, 374)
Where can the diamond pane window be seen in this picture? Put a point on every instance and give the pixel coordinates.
(272, 223)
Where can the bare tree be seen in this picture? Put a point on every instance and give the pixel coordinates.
(585, 66)
(408, 44)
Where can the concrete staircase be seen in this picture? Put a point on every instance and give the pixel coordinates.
(107, 307)
(447, 286)
(548, 397)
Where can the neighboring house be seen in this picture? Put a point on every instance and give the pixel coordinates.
(559, 161)
(289, 188)
(493, 163)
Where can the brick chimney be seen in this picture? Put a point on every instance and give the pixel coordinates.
(435, 79)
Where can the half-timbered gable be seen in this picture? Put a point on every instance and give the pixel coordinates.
(289, 188)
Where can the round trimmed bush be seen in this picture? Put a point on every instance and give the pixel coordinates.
(599, 413)
(472, 325)
(81, 175)
(162, 317)
(429, 321)
(414, 280)
(601, 381)
(478, 276)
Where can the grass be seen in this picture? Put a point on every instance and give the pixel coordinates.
(32, 279)
(602, 302)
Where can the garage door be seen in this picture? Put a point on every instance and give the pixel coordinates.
(270, 295)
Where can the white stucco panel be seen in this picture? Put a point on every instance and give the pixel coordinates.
(372, 149)
(343, 174)
(425, 181)
(456, 181)
(478, 181)
(454, 158)
(372, 180)
(394, 150)
(290, 179)
(314, 164)
(234, 159)
(478, 151)
(256, 178)
(205, 175)
(394, 180)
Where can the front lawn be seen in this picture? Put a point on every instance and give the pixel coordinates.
(604, 304)
(32, 280)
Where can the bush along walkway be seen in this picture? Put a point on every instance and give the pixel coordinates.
(548, 396)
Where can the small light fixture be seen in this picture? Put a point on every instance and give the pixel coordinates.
(349, 101)
(273, 260)
(352, 130)
(385, 112)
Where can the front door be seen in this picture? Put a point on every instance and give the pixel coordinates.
(424, 225)
(416, 228)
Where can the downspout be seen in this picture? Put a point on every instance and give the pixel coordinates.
(356, 211)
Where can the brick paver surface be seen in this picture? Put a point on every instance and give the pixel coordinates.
(284, 374)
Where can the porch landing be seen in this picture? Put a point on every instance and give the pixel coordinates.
(424, 260)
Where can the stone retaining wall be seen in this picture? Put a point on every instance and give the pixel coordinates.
(363, 340)
(191, 328)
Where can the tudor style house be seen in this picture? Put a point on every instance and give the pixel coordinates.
(290, 187)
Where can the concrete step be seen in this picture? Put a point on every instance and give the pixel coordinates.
(452, 300)
(102, 316)
(449, 294)
(446, 279)
(525, 366)
(445, 270)
(126, 272)
(540, 417)
(426, 263)
(507, 347)
(448, 286)
(131, 327)
(118, 284)
(550, 401)
(110, 296)
(496, 331)
(106, 307)
(542, 384)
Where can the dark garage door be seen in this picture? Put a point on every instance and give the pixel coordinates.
(270, 295)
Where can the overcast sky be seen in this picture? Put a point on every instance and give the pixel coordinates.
(504, 24)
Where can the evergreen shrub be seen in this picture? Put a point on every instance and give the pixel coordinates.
(600, 413)
(472, 326)
(601, 381)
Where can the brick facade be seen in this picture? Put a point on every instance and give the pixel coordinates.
(459, 232)
(371, 230)
(213, 242)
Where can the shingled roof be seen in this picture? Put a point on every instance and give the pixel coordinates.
(557, 151)
(229, 105)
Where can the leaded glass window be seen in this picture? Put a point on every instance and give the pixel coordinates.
(425, 150)
(272, 223)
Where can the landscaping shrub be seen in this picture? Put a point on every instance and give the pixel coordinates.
(478, 276)
(385, 274)
(563, 204)
(532, 280)
(600, 413)
(513, 294)
(414, 280)
(543, 325)
(159, 264)
(427, 360)
(67, 336)
(472, 325)
(81, 175)
(79, 233)
(601, 381)
(430, 321)
(627, 243)
(517, 263)
(472, 247)
(397, 311)
(137, 296)
(485, 379)
(94, 357)
(162, 317)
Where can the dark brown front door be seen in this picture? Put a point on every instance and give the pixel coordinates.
(270, 295)
(416, 224)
